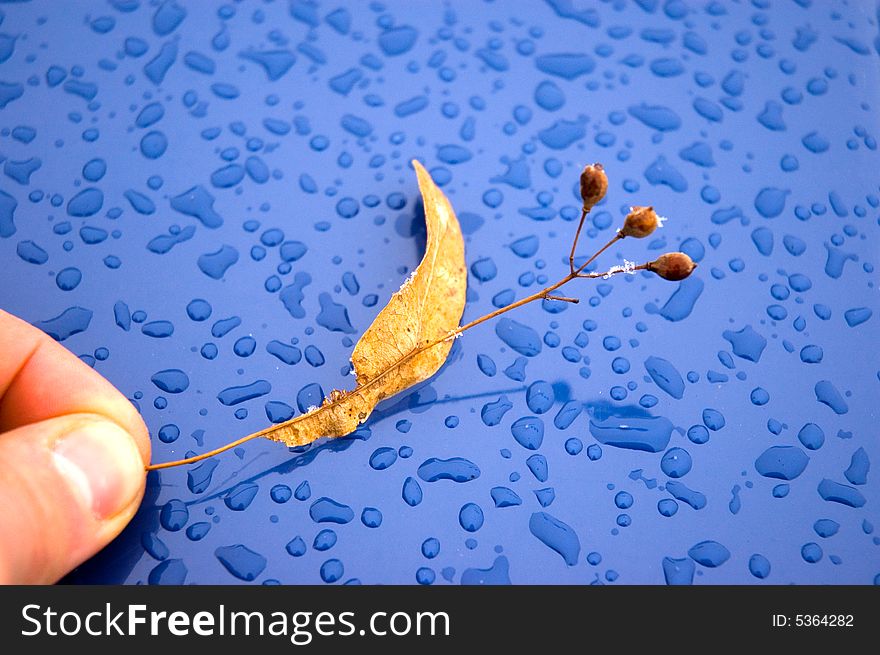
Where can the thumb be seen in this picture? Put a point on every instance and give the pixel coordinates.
(68, 486)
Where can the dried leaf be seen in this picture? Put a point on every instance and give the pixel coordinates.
(392, 356)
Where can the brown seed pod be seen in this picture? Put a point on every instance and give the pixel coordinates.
(640, 222)
(672, 266)
(594, 184)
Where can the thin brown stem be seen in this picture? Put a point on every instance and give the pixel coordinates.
(577, 234)
(198, 458)
(617, 237)
(573, 301)
(538, 295)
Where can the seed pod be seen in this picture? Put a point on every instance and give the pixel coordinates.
(640, 222)
(594, 184)
(672, 266)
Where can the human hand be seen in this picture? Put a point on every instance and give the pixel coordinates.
(72, 455)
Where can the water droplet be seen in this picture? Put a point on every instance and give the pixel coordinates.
(528, 432)
(557, 535)
(709, 553)
(242, 562)
(827, 394)
(327, 510)
(649, 433)
(676, 462)
(235, 395)
(456, 469)
(412, 492)
(759, 566)
(840, 493)
(382, 458)
(857, 471)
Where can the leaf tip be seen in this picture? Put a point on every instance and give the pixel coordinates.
(421, 172)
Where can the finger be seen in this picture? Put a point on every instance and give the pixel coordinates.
(68, 486)
(40, 379)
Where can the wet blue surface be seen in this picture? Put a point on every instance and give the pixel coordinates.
(210, 203)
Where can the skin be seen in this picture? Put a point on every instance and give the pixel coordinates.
(48, 524)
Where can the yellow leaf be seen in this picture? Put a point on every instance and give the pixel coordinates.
(396, 351)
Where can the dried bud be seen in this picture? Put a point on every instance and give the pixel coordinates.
(594, 184)
(672, 266)
(640, 222)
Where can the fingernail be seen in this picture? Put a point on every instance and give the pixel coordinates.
(101, 462)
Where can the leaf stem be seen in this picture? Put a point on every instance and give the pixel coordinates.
(584, 211)
(546, 293)
(573, 301)
(198, 458)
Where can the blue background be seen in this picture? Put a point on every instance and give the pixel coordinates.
(752, 126)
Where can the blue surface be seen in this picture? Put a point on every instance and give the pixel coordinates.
(210, 204)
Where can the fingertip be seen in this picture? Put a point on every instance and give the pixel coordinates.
(68, 486)
(101, 462)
